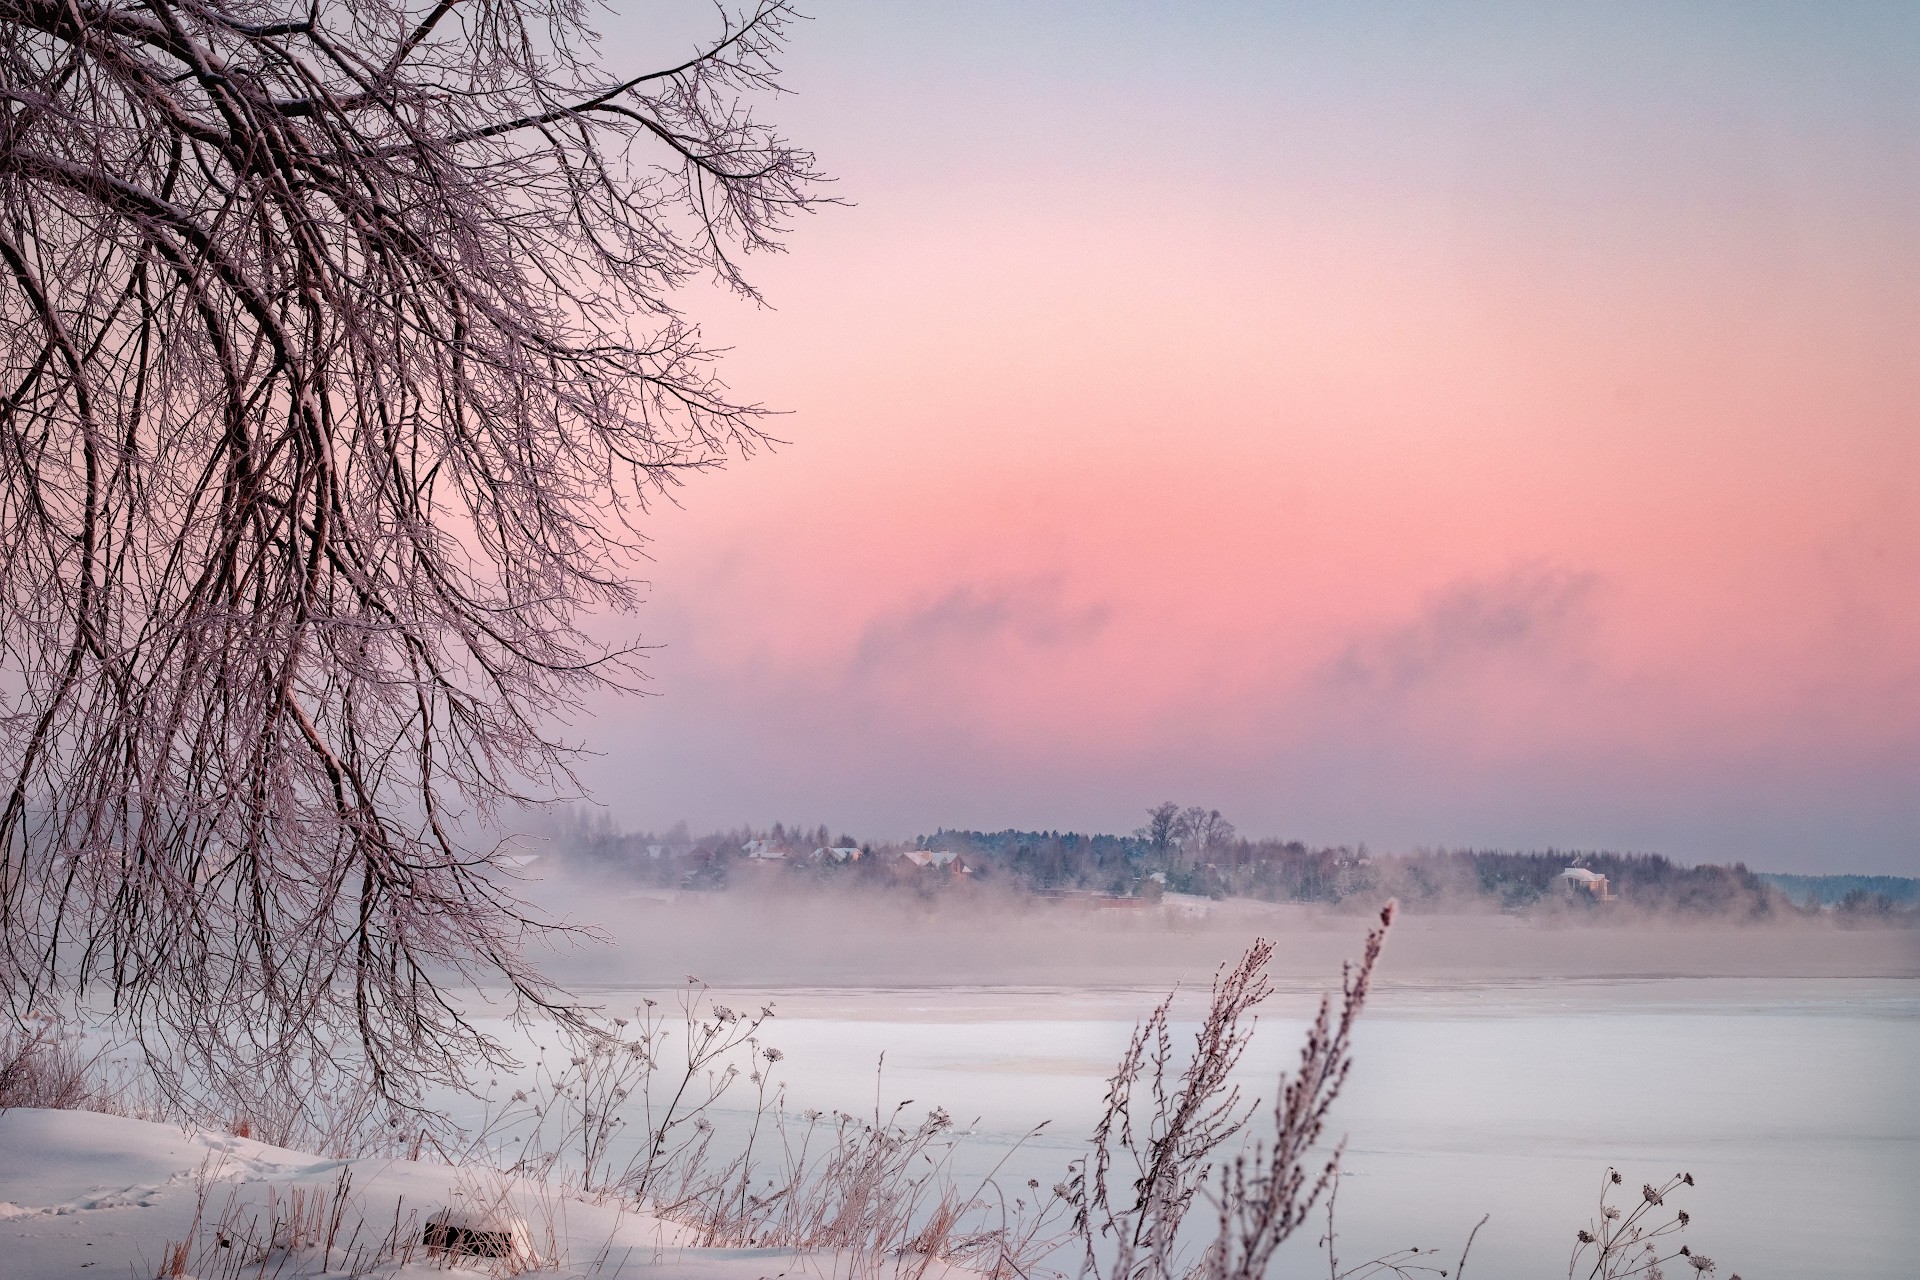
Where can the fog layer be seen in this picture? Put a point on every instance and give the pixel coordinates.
(825, 938)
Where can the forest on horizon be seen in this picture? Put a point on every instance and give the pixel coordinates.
(1196, 853)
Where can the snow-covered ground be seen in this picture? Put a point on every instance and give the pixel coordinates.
(86, 1194)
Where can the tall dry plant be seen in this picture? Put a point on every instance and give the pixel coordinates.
(1638, 1242)
(1154, 1147)
(338, 356)
(1264, 1196)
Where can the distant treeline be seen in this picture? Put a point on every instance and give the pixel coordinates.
(1291, 871)
(1829, 891)
(1196, 852)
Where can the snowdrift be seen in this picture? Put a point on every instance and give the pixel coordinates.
(81, 1192)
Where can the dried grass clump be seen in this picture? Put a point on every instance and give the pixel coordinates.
(43, 1066)
(296, 1227)
(879, 1194)
(327, 1230)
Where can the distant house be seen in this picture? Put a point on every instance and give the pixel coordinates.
(836, 854)
(1581, 880)
(924, 858)
(765, 850)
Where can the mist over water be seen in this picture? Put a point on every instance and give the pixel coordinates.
(799, 937)
(1502, 1065)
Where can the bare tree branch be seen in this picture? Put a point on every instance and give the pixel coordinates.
(338, 357)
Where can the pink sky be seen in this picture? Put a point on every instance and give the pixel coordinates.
(1514, 440)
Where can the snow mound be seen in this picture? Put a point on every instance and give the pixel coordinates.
(131, 1198)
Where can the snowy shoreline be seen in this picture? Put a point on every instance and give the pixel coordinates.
(83, 1191)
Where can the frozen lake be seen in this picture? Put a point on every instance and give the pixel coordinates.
(1791, 1100)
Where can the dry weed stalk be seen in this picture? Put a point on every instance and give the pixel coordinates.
(1626, 1244)
(1264, 1196)
(582, 1098)
(1169, 1138)
(1402, 1264)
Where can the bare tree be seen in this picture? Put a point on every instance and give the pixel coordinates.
(1162, 827)
(338, 356)
(1192, 832)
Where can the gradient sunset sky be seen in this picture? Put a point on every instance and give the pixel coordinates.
(1414, 424)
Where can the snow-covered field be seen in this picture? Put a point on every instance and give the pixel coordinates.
(83, 1194)
(1485, 1082)
(1790, 1100)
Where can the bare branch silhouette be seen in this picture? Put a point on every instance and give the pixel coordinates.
(338, 357)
